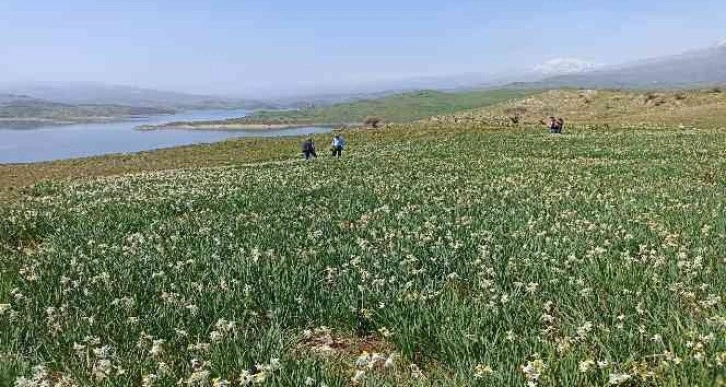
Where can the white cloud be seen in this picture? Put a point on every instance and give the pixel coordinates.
(721, 44)
(564, 66)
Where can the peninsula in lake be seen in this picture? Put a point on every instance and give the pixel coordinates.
(39, 104)
(24, 112)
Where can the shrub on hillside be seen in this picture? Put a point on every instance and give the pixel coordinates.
(372, 122)
(515, 114)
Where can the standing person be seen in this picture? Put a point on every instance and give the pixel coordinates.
(308, 149)
(337, 145)
(553, 125)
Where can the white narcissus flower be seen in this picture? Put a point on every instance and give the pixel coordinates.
(363, 360)
(198, 379)
(617, 379)
(482, 370)
(148, 380)
(245, 378)
(157, 347)
(219, 382)
(416, 372)
(533, 369)
(390, 361)
(586, 365)
(259, 377)
(358, 377)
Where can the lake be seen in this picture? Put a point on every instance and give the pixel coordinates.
(71, 141)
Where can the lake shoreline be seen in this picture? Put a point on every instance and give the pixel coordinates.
(30, 123)
(52, 143)
(220, 151)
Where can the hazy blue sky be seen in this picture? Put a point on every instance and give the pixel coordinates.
(248, 46)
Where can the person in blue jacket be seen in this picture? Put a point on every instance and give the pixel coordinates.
(337, 145)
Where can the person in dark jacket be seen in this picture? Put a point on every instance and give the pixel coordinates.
(560, 125)
(308, 149)
(554, 125)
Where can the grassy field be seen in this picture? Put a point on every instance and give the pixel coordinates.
(442, 256)
(397, 108)
(15, 178)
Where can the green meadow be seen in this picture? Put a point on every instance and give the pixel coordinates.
(429, 255)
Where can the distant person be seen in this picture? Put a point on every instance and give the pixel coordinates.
(308, 149)
(337, 145)
(555, 125)
(551, 125)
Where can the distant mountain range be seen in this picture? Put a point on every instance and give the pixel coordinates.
(89, 93)
(693, 69)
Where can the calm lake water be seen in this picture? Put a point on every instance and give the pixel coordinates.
(62, 142)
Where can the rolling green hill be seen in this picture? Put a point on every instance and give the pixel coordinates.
(396, 108)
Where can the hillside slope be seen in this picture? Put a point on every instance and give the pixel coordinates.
(395, 108)
(706, 108)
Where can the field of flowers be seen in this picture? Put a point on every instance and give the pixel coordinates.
(455, 258)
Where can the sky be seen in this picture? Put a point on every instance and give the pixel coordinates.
(250, 47)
